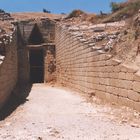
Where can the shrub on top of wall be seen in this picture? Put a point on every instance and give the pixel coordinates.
(76, 13)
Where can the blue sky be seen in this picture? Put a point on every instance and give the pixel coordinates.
(56, 6)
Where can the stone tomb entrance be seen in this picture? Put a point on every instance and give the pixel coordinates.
(35, 37)
(36, 58)
(36, 55)
(41, 52)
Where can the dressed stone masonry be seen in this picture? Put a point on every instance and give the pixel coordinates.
(84, 63)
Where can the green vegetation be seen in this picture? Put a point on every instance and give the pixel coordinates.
(123, 10)
(129, 8)
(115, 6)
(120, 11)
(46, 11)
(2, 11)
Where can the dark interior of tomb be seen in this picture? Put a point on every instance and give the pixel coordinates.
(36, 37)
(36, 65)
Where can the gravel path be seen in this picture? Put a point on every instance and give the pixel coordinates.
(53, 113)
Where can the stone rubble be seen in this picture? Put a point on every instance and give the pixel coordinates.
(6, 31)
(5, 39)
(100, 37)
(5, 16)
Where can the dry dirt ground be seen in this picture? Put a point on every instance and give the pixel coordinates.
(52, 113)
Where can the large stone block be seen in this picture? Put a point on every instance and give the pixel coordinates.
(124, 84)
(129, 76)
(114, 82)
(103, 74)
(137, 76)
(122, 75)
(109, 68)
(111, 97)
(104, 81)
(129, 68)
(110, 89)
(136, 86)
(136, 106)
(123, 92)
(100, 94)
(132, 95)
(114, 75)
(117, 69)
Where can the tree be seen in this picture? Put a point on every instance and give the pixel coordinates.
(63, 13)
(46, 11)
(114, 6)
(2, 11)
(76, 13)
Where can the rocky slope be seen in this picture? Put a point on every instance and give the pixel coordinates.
(6, 31)
(121, 38)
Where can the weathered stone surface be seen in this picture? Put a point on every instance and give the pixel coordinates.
(129, 68)
(136, 86)
(137, 105)
(137, 76)
(133, 95)
(8, 72)
(88, 70)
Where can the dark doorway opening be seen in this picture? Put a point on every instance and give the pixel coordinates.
(36, 65)
(35, 37)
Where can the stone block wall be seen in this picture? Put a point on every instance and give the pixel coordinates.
(23, 66)
(22, 59)
(8, 71)
(91, 72)
(50, 64)
(47, 28)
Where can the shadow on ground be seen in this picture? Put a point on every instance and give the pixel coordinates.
(17, 98)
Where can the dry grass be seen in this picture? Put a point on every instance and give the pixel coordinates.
(76, 13)
(127, 10)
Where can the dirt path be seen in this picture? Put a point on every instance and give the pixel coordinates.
(55, 114)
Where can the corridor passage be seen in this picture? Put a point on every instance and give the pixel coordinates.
(53, 113)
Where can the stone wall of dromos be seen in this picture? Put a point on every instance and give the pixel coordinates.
(8, 71)
(90, 72)
(23, 59)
